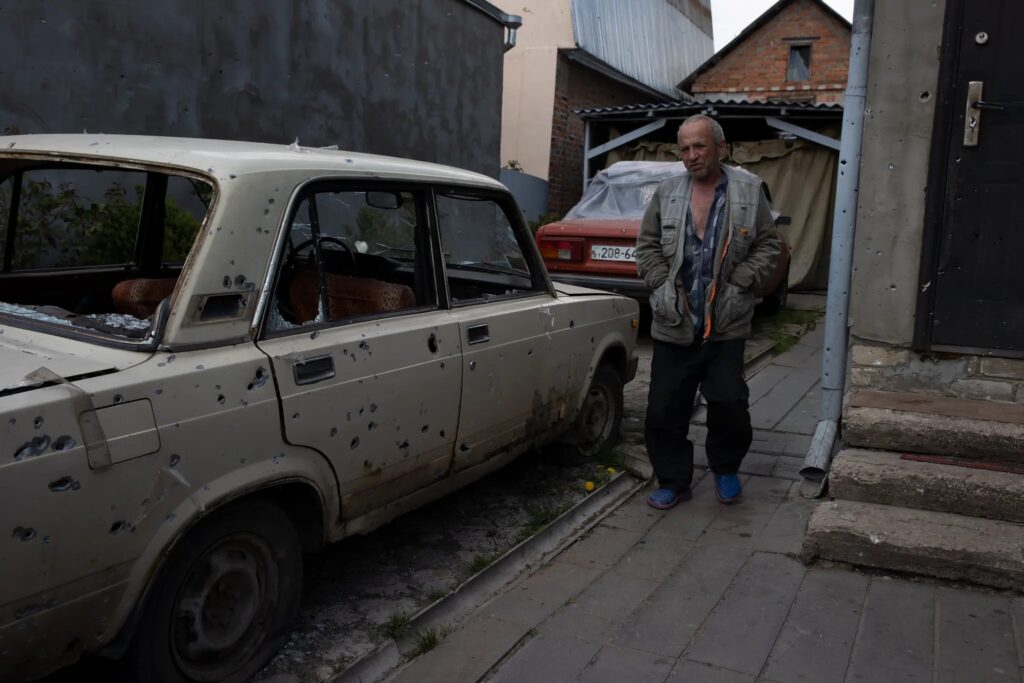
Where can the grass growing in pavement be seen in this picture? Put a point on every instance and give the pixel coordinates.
(395, 625)
(436, 594)
(539, 516)
(786, 326)
(428, 639)
(481, 562)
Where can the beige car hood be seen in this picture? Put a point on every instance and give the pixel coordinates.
(23, 352)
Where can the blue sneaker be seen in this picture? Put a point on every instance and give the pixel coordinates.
(666, 499)
(727, 488)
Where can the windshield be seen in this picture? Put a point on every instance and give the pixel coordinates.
(93, 248)
(624, 189)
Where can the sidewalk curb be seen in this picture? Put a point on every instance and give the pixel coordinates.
(472, 593)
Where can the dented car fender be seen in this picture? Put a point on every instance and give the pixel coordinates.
(610, 346)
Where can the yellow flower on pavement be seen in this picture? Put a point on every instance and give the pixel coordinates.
(611, 470)
(589, 486)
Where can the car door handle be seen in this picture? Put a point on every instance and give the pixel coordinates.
(313, 370)
(478, 334)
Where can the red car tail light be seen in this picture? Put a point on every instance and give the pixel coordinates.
(561, 249)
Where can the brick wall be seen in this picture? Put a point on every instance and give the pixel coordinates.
(577, 87)
(888, 368)
(757, 67)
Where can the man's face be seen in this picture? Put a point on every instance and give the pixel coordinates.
(699, 151)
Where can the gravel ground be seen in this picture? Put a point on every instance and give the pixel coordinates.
(359, 589)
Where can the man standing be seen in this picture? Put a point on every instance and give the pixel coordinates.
(707, 241)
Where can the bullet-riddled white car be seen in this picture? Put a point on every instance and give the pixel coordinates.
(216, 356)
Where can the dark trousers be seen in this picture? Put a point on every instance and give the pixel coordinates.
(676, 373)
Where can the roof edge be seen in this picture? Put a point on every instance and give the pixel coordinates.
(494, 12)
(649, 112)
(588, 60)
(753, 26)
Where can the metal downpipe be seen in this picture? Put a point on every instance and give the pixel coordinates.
(844, 222)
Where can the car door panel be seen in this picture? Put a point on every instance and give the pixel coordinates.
(366, 362)
(513, 387)
(387, 418)
(508, 393)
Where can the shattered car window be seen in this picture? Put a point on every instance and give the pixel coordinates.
(76, 217)
(484, 258)
(74, 251)
(352, 254)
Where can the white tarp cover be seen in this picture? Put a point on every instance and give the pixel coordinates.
(624, 189)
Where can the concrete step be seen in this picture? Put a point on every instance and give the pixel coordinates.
(887, 479)
(919, 423)
(938, 544)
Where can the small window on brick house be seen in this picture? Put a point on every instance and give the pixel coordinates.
(799, 68)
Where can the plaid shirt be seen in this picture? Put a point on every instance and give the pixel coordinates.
(699, 255)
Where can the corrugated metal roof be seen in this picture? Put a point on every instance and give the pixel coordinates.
(652, 41)
(683, 106)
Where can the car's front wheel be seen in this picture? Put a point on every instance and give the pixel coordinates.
(597, 426)
(222, 604)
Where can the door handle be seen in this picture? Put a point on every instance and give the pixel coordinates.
(995, 106)
(972, 119)
(478, 334)
(313, 370)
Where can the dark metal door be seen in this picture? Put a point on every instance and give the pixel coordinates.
(978, 276)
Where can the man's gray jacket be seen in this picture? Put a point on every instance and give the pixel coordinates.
(746, 251)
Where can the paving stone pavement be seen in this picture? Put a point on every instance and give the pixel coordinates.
(713, 593)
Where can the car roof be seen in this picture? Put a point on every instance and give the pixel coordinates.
(233, 157)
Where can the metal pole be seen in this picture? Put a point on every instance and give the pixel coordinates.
(586, 154)
(844, 222)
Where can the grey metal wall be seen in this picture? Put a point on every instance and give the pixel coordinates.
(413, 78)
(657, 42)
(531, 192)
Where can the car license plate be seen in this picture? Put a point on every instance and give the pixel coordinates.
(607, 252)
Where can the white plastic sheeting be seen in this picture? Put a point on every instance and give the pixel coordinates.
(624, 189)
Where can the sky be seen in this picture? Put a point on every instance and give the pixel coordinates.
(732, 16)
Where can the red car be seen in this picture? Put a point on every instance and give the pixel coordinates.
(594, 245)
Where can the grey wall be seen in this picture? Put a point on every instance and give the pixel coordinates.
(902, 80)
(531, 192)
(412, 78)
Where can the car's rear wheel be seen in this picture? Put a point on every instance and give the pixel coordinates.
(597, 426)
(776, 301)
(223, 602)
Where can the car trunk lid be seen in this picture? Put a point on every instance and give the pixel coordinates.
(23, 351)
(595, 246)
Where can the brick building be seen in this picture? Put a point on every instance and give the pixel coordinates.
(577, 54)
(578, 86)
(798, 50)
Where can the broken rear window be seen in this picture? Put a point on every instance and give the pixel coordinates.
(92, 247)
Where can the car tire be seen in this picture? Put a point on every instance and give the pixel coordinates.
(596, 428)
(776, 301)
(222, 605)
